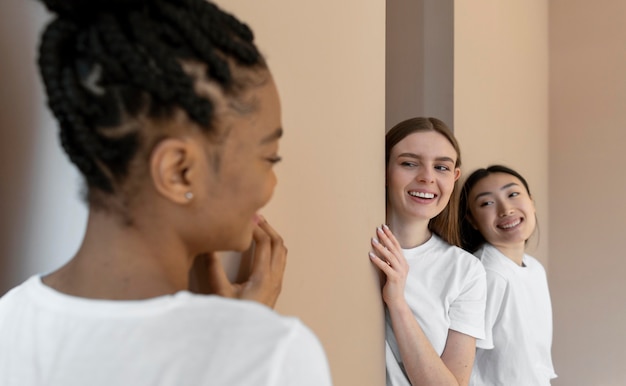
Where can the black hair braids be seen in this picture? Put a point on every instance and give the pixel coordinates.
(105, 61)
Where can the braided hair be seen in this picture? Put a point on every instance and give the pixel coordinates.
(105, 62)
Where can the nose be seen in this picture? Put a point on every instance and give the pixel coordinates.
(504, 209)
(425, 174)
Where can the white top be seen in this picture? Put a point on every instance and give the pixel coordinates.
(49, 338)
(518, 323)
(446, 290)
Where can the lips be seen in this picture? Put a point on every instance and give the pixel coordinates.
(424, 195)
(510, 224)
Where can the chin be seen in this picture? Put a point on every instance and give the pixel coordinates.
(244, 241)
(243, 246)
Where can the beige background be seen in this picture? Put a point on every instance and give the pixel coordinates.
(536, 84)
(328, 59)
(588, 189)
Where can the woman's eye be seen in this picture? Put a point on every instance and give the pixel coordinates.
(486, 203)
(514, 194)
(274, 160)
(408, 164)
(442, 168)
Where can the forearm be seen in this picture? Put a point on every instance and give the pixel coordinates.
(421, 362)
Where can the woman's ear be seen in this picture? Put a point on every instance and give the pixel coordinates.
(457, 173)
(173, 164)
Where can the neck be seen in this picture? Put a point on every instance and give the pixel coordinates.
(123, 262)
(409, 232)
(514, 252)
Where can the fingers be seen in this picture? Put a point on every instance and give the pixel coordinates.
(388, 257)
(209, 276)
(382, 264)
(387, 253)
(245, 264)
(279, 250)
(383, 247)
(216, 276)
(268, 266)
(270, 255)
(390, 237)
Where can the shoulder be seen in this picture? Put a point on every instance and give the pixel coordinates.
(242, 319)
(283, 344)
(457, 260)
(464, 258)
(452, 250)
(533, 263)
(496, 265)
(19, 292)
(239, 313)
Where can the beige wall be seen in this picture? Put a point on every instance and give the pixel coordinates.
(587, 190)
(328, 59)
(541, 86)
(501, 93)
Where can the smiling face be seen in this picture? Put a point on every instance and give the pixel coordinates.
(502, 210)
(420, 176)
(239, 171)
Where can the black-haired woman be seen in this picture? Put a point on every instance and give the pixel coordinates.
(172, 116)
(497, 217)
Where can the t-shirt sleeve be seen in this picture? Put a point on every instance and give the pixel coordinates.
(496, 293)
(304, 362)
(467, 311)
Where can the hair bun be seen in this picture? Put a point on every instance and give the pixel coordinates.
(79, 9)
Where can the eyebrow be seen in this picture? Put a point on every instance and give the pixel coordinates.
(276, 134)
(479, 195)
(440, 159)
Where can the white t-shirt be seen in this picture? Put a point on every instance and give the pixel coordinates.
(446, 290)
(49, 338)
(518, 323)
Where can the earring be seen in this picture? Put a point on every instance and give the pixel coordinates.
(188, 196)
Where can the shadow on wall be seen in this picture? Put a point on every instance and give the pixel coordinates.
(19, 96)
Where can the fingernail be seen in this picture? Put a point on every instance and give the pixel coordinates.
(372, 255)
(375, 241)
(379, 230)
(385, 226)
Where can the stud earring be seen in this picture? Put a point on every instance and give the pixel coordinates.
(188, 196)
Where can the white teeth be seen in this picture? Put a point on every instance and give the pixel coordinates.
(422, 195)
(511, 225)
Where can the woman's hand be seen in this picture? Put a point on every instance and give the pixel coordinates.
(388, 257)
(260, 275)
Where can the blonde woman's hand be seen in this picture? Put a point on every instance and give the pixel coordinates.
(260, 274)
(388, 257)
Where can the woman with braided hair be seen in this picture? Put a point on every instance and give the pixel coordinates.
(170, 113)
